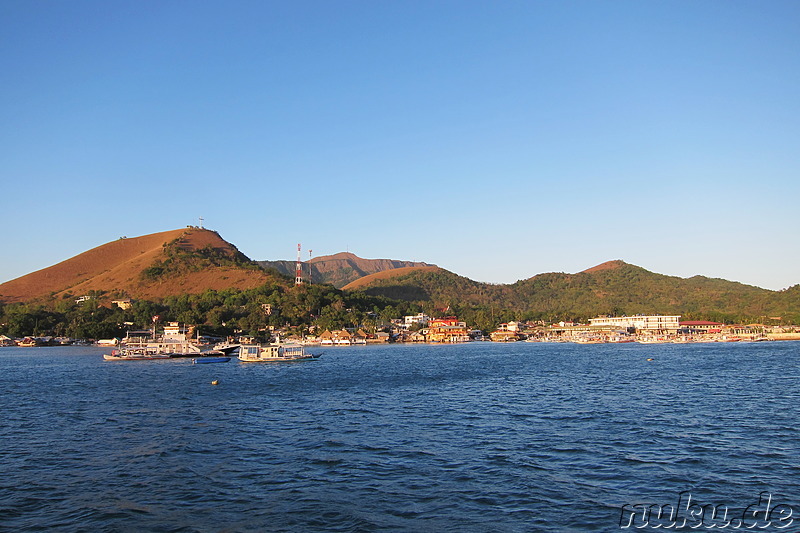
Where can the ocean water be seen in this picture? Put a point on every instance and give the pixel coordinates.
(474, 437)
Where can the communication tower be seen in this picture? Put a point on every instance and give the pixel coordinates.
(310, 272)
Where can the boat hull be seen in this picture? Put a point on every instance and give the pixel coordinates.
(209, 360)
(111, 357)
(278, 359)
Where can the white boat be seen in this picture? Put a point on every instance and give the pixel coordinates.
(142, 345)
(126, 354)
(274, 353)
(107, 342)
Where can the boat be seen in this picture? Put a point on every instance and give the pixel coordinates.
(125, 354)
(274, 353)
(107, 342)
(145, 345)
(210, 359)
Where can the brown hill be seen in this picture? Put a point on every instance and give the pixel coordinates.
(608, 265)
(366, 281)
(173, 262)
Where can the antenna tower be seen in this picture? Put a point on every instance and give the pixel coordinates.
(310, 273)
(298, 271)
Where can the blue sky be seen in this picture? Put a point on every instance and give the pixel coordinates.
(498, 140)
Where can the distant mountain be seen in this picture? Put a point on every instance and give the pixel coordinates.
(615, 287)
(340, 269)
(173, 262)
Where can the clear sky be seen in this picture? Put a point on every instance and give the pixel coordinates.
(498, 140)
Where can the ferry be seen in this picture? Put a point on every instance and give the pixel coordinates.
(274, 353)
(175, 342)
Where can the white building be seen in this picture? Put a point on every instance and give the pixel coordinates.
(642, 323)
(420, 318)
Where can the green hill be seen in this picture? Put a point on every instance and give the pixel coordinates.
(614, 288)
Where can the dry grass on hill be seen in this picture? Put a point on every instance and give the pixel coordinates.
(118, 266)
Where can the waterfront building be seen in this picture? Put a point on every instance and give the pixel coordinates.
(448, 329)
(701, 326)
(648, 324)
(504, 335)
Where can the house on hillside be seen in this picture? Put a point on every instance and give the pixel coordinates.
(420, 318)
(122, 303)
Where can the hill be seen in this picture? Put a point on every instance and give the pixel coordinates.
(151, 266)
(614, 288)
(342, 268)
(371, 279)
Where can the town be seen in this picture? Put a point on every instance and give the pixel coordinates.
(421, 328)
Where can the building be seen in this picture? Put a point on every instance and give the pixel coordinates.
(447, 329)
(341, 337)
(653, 324)
(504, 335)
(122, 303)
(419, 318)
(701, 326)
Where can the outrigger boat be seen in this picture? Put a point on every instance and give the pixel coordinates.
(274, 353)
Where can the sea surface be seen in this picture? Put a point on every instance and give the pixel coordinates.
(474, 437)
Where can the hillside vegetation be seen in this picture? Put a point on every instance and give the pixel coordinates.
(614, 288)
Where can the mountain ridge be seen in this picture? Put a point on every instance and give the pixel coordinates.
(341, 268)
(613, 287)
(192, 260)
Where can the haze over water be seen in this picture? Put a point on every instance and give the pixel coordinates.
(475, 437)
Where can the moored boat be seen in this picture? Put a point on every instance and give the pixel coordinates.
(274, 353)
(210, 359)
(126, 354)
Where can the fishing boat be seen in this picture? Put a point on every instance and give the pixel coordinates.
(274, 353)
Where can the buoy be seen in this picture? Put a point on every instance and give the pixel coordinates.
(215, 382)
(649, 358)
